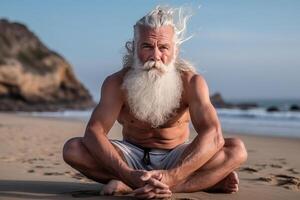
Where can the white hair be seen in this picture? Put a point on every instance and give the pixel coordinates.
(158, 17)
(164, 16)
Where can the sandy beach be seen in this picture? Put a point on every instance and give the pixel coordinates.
(31, 164)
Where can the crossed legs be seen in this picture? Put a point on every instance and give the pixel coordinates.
(78, 157)
(216, 175)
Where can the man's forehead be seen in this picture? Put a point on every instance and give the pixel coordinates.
(162, 33)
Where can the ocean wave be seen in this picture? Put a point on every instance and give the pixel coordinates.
(254, 121)
(259, 113)
(73, 114)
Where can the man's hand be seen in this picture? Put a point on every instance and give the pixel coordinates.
(155, 185)
(167, 178)
(134, 178)
(150, 192)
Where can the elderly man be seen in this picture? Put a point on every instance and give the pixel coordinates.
(154, 97)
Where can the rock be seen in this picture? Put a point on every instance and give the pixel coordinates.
(246, 105)
(218, 101)
(34, 78)
(272, 109)
(294, 108)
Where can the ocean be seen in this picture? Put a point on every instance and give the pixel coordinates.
(256, 121)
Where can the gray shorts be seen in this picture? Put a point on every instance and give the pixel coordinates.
(149, 159)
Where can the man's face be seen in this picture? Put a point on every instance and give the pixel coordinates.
(156, 44)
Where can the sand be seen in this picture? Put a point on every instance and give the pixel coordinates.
(31, 164)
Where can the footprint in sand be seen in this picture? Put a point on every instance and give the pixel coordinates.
(67, 172)
(293, 171)
(39, 166)
(275, 166)
(31, 171)
(261, 166)
(8, 158)
(282, 180)
(30, 160)
(56, 163)
(248, 169)
(281, 160)
(254, 169)
(53, 173)
(42, 167)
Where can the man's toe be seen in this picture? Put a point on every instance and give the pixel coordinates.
(233, 188)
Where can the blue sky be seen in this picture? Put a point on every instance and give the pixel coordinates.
(244, 49)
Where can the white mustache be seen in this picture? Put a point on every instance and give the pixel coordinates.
(158, 65)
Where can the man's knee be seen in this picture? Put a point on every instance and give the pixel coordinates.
(238, 150)
(70, 150)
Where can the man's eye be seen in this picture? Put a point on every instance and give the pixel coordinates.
(146, 46)
(164, 48)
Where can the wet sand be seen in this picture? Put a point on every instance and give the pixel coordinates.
(31, 164)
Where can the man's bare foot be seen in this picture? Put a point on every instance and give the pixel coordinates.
(230, 184)
(115, 187)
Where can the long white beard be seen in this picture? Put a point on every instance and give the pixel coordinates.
(153, 91)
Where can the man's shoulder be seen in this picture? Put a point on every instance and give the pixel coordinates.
(192, 79)
(116, 78)
(114, 81)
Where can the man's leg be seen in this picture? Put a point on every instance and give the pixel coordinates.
(78, 157)
(218, 173)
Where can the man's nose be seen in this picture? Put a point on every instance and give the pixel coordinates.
(156, 54)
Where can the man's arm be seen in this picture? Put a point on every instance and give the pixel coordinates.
(209, 139)
(101, 121)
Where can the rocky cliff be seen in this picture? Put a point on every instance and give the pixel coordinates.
(218, 101)
(34, 78)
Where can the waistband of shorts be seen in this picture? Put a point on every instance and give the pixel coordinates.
(150, 150)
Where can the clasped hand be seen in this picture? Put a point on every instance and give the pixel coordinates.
(151, 184)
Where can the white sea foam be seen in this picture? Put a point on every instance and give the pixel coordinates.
(69, 114)
(259, 113)
(260, 122)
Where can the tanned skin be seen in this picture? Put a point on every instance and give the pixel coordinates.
(209, 161)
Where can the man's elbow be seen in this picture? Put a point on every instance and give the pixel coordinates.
(219, 139)
(91, 134)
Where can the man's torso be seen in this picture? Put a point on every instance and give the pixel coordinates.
(167, 136)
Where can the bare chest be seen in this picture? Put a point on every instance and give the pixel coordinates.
(179, 116)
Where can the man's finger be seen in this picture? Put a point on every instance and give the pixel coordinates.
(157, 175)
(146, 176)
(142, 190)
(162, 191)
(156, 183)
